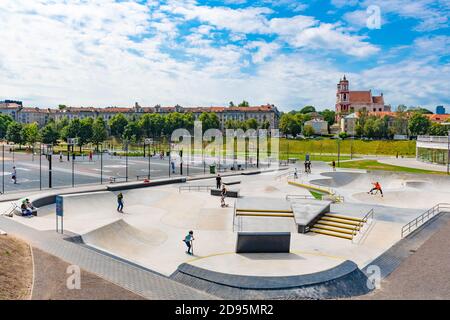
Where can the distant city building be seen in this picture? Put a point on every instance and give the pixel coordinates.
(440, 110)
(11, 108)
(348, 124)
(319, 126)
(261, 114)
(348, 101)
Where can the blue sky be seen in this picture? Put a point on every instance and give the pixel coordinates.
(209, 52)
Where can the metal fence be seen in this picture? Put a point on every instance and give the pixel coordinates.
(424, 218)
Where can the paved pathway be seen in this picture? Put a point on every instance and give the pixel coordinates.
(412, 163)
(144, 282)
(423, 274)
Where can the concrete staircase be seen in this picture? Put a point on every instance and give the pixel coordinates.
(336, 225)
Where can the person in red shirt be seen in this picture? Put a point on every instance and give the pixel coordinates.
(376, 188)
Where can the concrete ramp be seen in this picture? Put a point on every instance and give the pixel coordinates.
(124, 240)
(307, 212)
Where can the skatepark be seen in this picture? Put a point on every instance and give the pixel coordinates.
(333, 238)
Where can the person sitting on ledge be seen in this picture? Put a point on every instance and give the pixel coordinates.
(26, 212)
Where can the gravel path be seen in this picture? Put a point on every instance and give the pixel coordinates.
(51, 279)
(423, 275)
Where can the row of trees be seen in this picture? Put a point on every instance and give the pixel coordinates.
(404, 123)
(97, 130)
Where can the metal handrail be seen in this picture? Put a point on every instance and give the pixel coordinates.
(369, 215)
(424, 218)
(298, 196)
(195, 187)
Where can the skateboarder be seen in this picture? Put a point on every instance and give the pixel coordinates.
(120, 202)
(188, 240)
(308, 166)
(376, 188)
(218, 181)
(223, 194)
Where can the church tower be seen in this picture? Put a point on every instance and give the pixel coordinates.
(342, 96)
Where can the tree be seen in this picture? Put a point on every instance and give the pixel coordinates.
(329, 116)
(86, 132)
(72, 130)
(14, 133)
(49, 133)
(99, 131)
(251, 123)
(244, 104)
(209, 121)
(30, 133)
(117, 124)
(369, 130)
(308, 131)
(343, 135)
(289, 124)
(62, 107)
(132, 132)
(307, 109)
(231, 104)
(63, 122)
(421, 110)
(437, 129)
(265, 125)
(418, 124)
(5, 120)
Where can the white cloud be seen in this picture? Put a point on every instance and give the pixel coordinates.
(330, 37)
(104, 53)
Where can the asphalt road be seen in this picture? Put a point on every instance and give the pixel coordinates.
(33, 173)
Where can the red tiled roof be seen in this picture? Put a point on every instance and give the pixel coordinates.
(360, 96)
(438, 117)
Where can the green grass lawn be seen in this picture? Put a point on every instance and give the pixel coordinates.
(350, 146)
(375, 165)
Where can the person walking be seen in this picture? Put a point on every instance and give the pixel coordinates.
(90, 156)
(218, 181)
(309, 166)
(295, 173)
(60, 156)
(306, 166)
(334, 165)
(189, 241)
(14, 175)
(120, 202)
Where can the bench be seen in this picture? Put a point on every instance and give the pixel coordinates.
(263, 242)
(230, 193)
